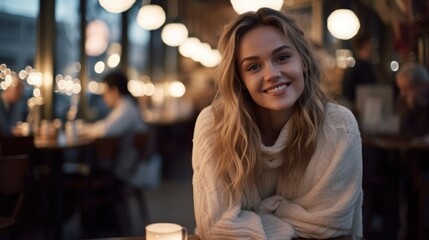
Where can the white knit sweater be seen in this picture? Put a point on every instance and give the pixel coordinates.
(327, 203)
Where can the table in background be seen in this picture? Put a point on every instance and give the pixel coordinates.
(190, 237)
(53, 150)
(404, 158)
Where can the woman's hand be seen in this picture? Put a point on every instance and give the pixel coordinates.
(347, 237)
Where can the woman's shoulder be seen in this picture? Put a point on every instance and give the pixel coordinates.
(340, 117)
(203, 131)
(205, 118)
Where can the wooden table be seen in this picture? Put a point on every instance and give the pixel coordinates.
(190, 237)
(404, 156)
(395, 142)
(53, 151)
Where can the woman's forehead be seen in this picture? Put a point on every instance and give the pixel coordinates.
(262, 38)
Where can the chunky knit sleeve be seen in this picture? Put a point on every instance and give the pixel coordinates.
(330, 199)
(215, 218)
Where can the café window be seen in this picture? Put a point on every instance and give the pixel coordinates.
(103, 50)
(18, 21)
(138, 46)
(67, 57)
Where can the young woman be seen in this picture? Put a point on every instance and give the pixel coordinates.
(272, 157)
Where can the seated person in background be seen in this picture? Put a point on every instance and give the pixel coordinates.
(11, 111)
(361, 73)
(413, 105)
(272, 157)
(124, 120)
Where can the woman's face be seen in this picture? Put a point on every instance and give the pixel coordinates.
(270, 68)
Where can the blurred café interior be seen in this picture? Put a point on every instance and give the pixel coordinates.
(61, 50)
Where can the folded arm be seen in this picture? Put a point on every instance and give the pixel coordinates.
(331, 204)
(215, 217)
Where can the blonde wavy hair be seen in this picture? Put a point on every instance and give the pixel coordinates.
(237, 137)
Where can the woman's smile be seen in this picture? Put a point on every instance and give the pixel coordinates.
(277, 89)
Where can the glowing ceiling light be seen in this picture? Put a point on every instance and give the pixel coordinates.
(177, 89)
(116, 6)
(97, 38)
(174, 34)
(343, 24)
(189, 46)
(242, 6)
(151, 17)
(114, 60)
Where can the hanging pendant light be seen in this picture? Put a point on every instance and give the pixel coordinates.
(97, 38)
(343, 24)
(242, 6)
(151, 17)
(174, 34)
(189, 46)
(116, 6)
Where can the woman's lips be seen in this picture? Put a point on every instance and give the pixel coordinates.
(280, 88)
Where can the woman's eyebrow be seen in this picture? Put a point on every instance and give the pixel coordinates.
(279, 49)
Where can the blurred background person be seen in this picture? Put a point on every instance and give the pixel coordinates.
(361, 73)
(124, 120)
(11, 108)
(412, 81)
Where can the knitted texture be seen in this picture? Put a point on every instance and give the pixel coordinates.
(327, 203)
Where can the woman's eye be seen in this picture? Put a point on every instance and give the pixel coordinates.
(283, 58)
(252, 67)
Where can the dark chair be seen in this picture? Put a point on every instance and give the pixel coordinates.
(16, 145)
(101, 187)
(13, 170)
(145, 146)
(423, 198)
(420, 180)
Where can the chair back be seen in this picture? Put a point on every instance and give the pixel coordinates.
(16, 145)
(145, 144)
(13, 170)
(140, 142)
(107, 149)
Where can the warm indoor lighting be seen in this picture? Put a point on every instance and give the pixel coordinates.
(189, 46)
(99, 67)
(151, 17)
(76, 87)
(35, 79)
(177, 89)
(394, 66)
(22, 74)
(202, 50)
(343, 57)
(116, 6)
(174, 34)
(343, 24)
(150, 89)
(97, 38)
(61, 84)
(242, 6)
(93, 87)
(114, 60)
(37, 92)
(212, 59)
(136, 88)
(3, 85)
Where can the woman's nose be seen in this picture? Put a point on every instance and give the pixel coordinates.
(271, 73)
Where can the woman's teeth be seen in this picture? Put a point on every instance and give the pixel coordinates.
(277, 89)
